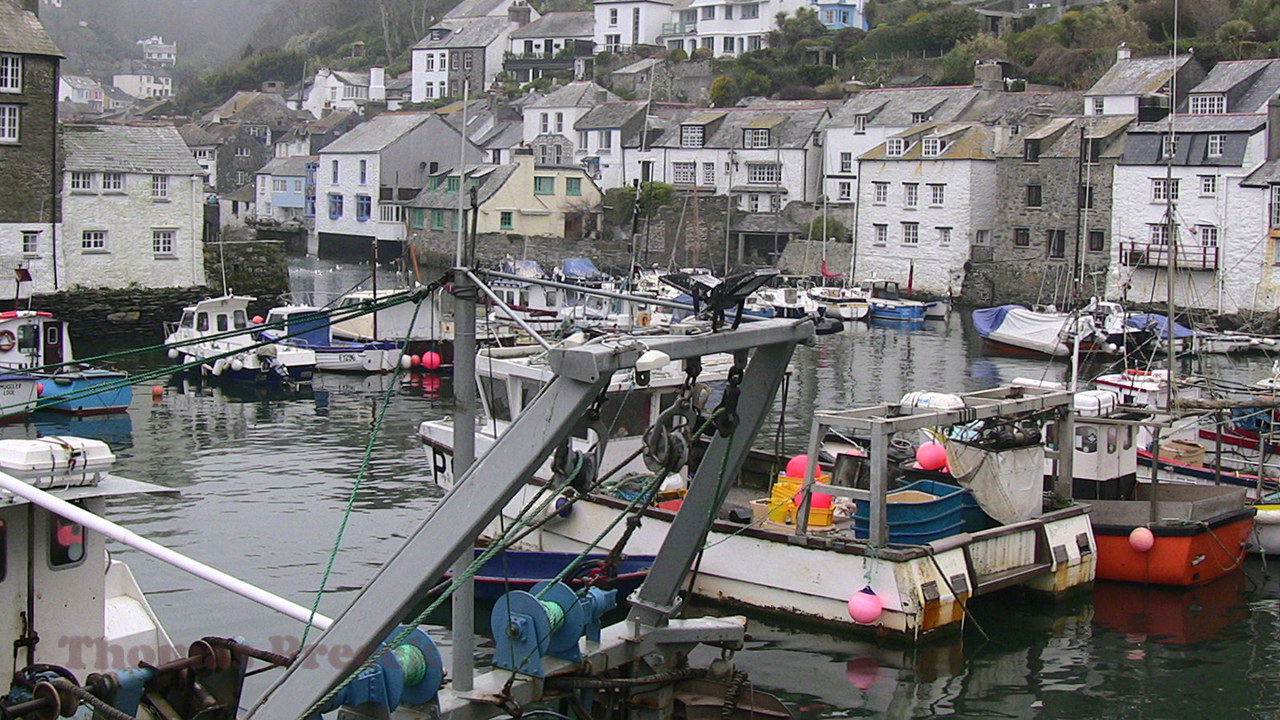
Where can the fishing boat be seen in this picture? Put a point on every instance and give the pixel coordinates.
(841, 302)
(886, 302)
(810, 570)
(426, 326)
(308, 327)
(789, 302)
(38, 344)
(217, 334)
(1160, 531)
(19, 395)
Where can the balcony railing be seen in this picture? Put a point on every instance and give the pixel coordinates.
(1156, 255)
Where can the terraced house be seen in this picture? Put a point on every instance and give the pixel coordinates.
(30, 167)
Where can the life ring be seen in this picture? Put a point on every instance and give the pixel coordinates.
(643, 318)
(7, 340)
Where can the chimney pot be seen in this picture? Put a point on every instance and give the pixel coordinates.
(1123, 52)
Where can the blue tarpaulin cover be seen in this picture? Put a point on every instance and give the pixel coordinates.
(581, 268)
(986, 320)
(1158, 323)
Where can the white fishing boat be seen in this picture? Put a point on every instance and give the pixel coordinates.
(38, 344)
(815, 577)
(216, 333)
(841, 302)
(789, 302)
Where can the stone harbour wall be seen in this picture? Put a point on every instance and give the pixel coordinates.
(138, 314)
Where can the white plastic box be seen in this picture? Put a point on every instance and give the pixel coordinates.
(56, 461)
(1095, 403)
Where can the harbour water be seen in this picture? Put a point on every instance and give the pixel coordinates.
(263, 482)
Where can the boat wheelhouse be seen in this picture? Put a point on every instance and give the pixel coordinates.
(217, 334)
(38, 344)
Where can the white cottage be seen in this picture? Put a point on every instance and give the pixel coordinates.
(621, 25)
(1207, 167)
(133, 207)
(364, 177)
(726, 28)
(549, 121)
(926, 192)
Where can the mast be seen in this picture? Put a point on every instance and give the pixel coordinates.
(464, 419)
(1082, 214)
(1171, 240)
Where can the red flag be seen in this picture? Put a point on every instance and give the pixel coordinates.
(827, 274)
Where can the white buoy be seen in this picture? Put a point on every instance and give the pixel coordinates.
(406, 362)
(237, 365)
(173, 353)
(217, 367)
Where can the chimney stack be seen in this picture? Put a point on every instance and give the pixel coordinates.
(377, 84)
(520, 13)
(1123, 52)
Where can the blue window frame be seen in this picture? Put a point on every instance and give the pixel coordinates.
(335, 206)
(364, 207)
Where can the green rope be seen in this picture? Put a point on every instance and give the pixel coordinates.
(355, 488)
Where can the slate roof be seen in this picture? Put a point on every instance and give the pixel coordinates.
(559, 25)
(1137, 76)
(1244, 122)
(81, 82)
(196, 136)
(474, 8)
(358, 79)
(1268, 173)
(495, 176)
(22, 34)
(155, 149)
(637, 66)
(580, 93)
(1144, 144)
(377, 133)
(610, 115)
(1249, 84)
(965, 141)
(1017, 108)
(763, 223)
(465, 32)
(792, 128)
(288, 166)
(1060, 137)
(893, 107)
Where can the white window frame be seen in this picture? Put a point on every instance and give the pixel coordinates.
(30, 242)
(1158, 233)
(937, 194)
(846, 162)
(1208, 185)
(932, 147)
(910, 194)
(1169, 145)
(845, 190)
(10, 73)
(113, 181)
(895, 147)
(881, 234)
(1208, 235)
(1164, 189)
(81, 180)
(1208, 104)
(911, 233)
(93, 241)
(879, 192)
(163, 241)
(709, 174)
(859, 123)
(755, 138)
(944, 235)
(684, 173)
(1099, 106)
(10, 123)
(692, 136)
(1217, 143)
(764, 173)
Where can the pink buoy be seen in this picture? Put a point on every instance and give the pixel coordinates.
(39, 389)
(1142, 539)
(797, 465)
(916, 465)
(817, 500)
(431, 360)
(415, 360)
(257, 320)
(946, 469)
(157, 390)
(931, 456)
(865, 606)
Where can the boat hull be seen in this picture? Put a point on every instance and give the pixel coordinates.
(357, 359)
(18, 396)
(75, 392)
(1184, 555)
(522, 569)
(1266, 530)
(896, 312)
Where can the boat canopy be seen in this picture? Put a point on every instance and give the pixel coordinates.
(528, 268)
(1048, 333)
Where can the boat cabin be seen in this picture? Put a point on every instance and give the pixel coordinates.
(213, 316)
(302, 325)
(881, 289)
(1104, 461)
(30, 339)
(63, 600)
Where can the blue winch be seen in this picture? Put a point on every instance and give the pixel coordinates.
(546, 622)
(410, 672)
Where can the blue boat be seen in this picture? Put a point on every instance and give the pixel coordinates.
(39, 344)
(522, 569)
(310, 327)
(886, 302)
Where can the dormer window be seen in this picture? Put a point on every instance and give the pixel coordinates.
(933, 147)
(895, 147)
(1031, 151)
(920, 117)
(1216, 145)
(1208, 104)
(859, 123)
(755, 138)
(691, 136)
(1169, 145)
